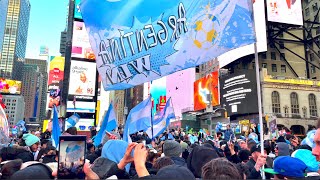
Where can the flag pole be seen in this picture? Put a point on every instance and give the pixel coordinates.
(151, 118)
(257, 67)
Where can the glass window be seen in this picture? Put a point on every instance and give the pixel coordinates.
(264, 65)
(275, 102)
(294, 104)
(281, 44)
(274, 68)
(313, 105)
(282, 56)
(273, 56)
(264, 55)
(283, 68)
(311, 57)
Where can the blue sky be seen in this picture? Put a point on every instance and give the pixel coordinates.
(47, 20)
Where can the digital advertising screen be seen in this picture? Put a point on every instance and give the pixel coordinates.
(204, 86)
(54, 97)
(8, 86)
(285, 11)
(180, 90)
(56, 72)
(157, 89)
(81, 47)
(239, 93)
(77, 12)
(82, 78)
(81, 107)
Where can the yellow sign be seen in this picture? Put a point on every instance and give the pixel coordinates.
(244, 122)
(292, 81)
(45, 125)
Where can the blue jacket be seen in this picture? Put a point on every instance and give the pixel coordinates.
(227, 134)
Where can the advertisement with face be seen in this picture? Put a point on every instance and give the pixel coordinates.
(82, 78)
(54, 97)
(239, 93)
(285, 11)
(81, 47)
(8, 86)
(202, 88)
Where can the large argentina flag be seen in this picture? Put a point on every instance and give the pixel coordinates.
(136, 41)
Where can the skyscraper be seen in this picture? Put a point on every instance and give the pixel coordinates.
(42, 64)
(31, 88)
(15, 39)
(3, 16)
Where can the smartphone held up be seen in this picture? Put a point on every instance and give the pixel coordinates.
(72, 151)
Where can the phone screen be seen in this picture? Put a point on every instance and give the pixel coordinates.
(71, 157)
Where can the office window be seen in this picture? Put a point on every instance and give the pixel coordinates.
(282, 56)
(307, 12)
(283, 68)
(313, 105)
(275, 97)
(264, 65)
(294, 103)
(281, 44)
(264, 55)
(311, 57)
(273, 56)
(313, 69)
(274, 68)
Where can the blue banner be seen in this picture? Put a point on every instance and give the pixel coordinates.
(136, 41)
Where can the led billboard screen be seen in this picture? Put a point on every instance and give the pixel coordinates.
(285, 11)
(82, 78)
(81, 47)
(77, 12)
(157, 89)
(8, 86)
(56, 72)
(260, 27)
(203, 87)
(81, 107)
(239, 93)
(180, 89)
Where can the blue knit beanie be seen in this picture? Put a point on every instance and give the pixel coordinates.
(30, 139)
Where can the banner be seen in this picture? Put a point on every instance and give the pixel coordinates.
(139, 41)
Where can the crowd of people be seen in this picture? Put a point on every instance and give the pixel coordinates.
(175, 154)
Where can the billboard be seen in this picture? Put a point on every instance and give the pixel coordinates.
(81, 47)
(82, 79)
(261, 35)
(203, 87)
(81, 107)
(85, 124)
(285, 11)
(180, 89)
(56, 72)
(54, 97)
(8, 86)
(77, 12)
(157, 89)
(239, 92)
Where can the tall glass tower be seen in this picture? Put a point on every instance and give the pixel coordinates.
(15, 39)
(3, 16)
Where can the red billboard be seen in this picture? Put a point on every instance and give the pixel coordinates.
(203, 88)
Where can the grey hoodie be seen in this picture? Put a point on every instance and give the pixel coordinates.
(283, 149)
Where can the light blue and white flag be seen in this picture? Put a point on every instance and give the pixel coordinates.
(56, 132)
(138, 119)
(109, 123)
(164, 122)
(72, 120)
(21, 125)
(137, 41)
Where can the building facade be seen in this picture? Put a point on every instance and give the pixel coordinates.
(14, 108)
(42, 64)
(31, 88)
(3, 16)
(293, 101)
(15, 39)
